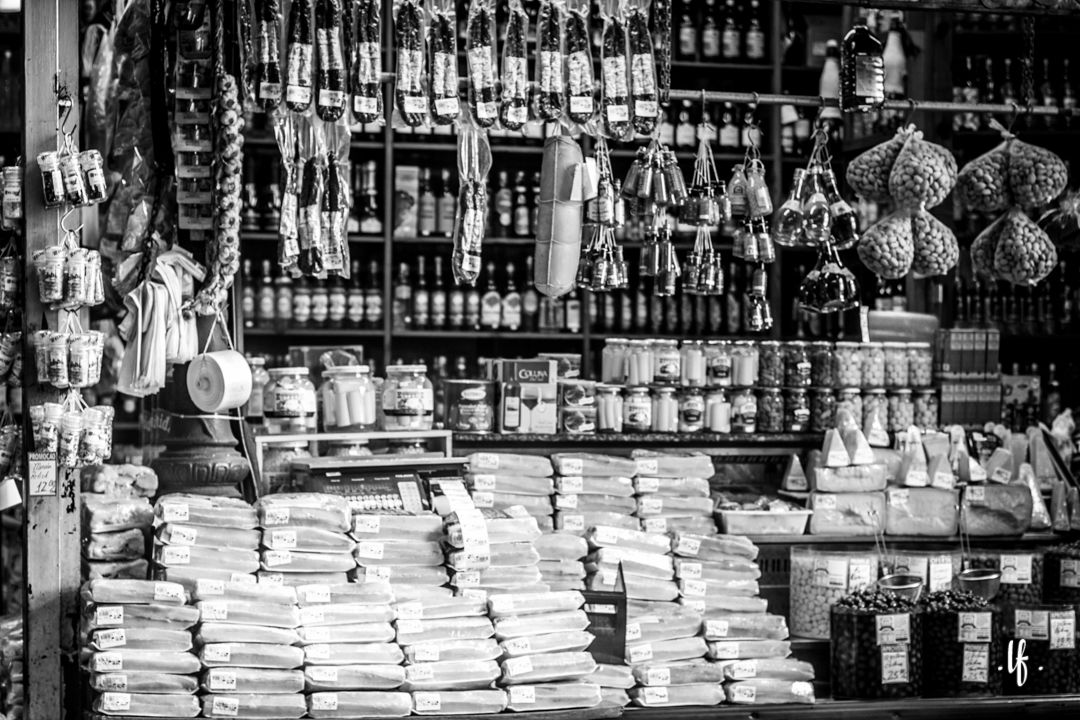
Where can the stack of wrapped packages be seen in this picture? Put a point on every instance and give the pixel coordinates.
(593, 490)
(116, 517)
(305, 539)
(12, 688)
(544, 639)
(561, 560)
(847, 483)
(136, 636)
(504, 480)
(512, 563)
(402, 549)
(247, 641)
(203, 537)
(673, 492)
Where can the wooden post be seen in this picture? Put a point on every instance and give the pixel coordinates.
(51, 61)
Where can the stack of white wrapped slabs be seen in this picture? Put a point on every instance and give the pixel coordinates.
(305, 539)
(503, 480)
(205, 537)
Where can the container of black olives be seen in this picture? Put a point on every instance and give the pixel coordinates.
(876, 647)
(964, 652)
(1021, 574)
(1052, 664)
(1061, 574)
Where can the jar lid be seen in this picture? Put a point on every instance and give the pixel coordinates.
(289, 371)
(608, 388)
(638, 390)
(821, 344)
(822, 390)
(902, 391)
(928, 392)
(257, 361)
(347, 443)
(347, 370)
(664, 389)
(617, 341)
(291, 445)
(796, 344)
(406, 369)
(851, 390)
(770, 343)
(692, 342)
(795, 390)
(717, 343)
(771, 390)
(875, 391)
(666, 342)
(874, 344)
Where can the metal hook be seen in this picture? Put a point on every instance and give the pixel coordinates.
(1014, 118)
(64, 227)
(912, 107)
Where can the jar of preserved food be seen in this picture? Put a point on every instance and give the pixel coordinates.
(470, 405)
(691, 411)
(637, 410)
(277, 475)
(718, 412)
(920, 365)
(614, 360)
(796, 411)
(797, 366)
(896, 364)
(848, 368)
(743, 411)
(771, 363)
(822, 364)
(609, 408)
(348, 398)
(822, 409)
(718, 363)
(665, 410)
(253, 410)
(347, 448)
(873, 364)
(744, 364)
(667, 361)
(850, 399)
(408, 399)
(926, 409)
(874, 401)
(289, 401)
(639, 371)
(901, 410)
(693, 363)
(770, 411)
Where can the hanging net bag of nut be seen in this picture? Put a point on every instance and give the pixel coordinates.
(1013, 173)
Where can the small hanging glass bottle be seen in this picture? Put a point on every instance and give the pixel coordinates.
(758, 316)
(817, 220)
(788, 223)
(845, 226)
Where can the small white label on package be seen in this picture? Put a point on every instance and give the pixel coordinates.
(484, 483)
(324, 701)
(802, 688)
(425, 653)
(317, 652)
(571, 484)
(716, 628)
(1070, 573)
(650, 505)
(973, 627)
(633, 631)
(317, 634)
(581, 104)
(273, 558)
(229, 706)
(323, 673)
(697, 606)
(210, 587)
(911, 565)
(473, 594)
(655, 695)
(312, 615)
(690, 571)
(419, 673)
(648, 484)
(743, 693)
(222, 680)
(115, 702)
(656, 525)
(744, 669)
(367, 524)
(688, 545)
(894, 664)
(573, 523)
(373, 574)
(522, 695)
(105, 639)
(109, 615)
(618, 113)
(1062, 630)
(566, 502)
(175, 555)
(168, 592)
(694, 588)
(1016, 569)
(107, 662)
(831, 573)
(726, 650)
(113, 681)
(1032, 624)
(470, 578)
(639, 653)
(175, 512)
(899, 497)
(647, 466)
(976, 668)
(409, 610)
(183, 535)
(276, 516)
(426, 701)
(517, 646)
(370, 550)
(271, 578)
(975, 494)
(893, 629)
(213, 611)
(217, 652)
(518, 666)
(283, 539)
(484, 461)
(244, 578)
(409, 627)
(571, 466)
(824, 502)
(658, 676)
(941, 573)
(483, 499)
(316, 594)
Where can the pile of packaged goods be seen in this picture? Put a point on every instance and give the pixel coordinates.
(137, 637)
(200, 537)
(504, 480)
(12, 688)
(116, 517)
(305, 539)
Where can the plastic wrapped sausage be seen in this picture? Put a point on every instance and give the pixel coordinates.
(247, 705)
(718, 588)
(353, 677)
(252, 680)
(649, 506)
(450, 675)
(359, 704)
(550, 77)
(365, 81)
(547, 667)
(404, 593)
(509, 579)
(643, 88)
(554, 696)
(613, 676)
(596, 503)
(558, 235)
(480, 46)
(409, 37)
(581, 105)
(444, 105)
(474, 163)
(117, 570)
(189, 576)
(514, 107)
(638, 587)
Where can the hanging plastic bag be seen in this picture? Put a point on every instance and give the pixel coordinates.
(366, 70)
(409, 33)
(579, 63)
(474, 163)
(514, 107)
(480, 45)
(550, 78)
(443, 102)
(643, 94)
(615, 89)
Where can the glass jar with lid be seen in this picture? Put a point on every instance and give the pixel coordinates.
(770, 363)
(348, 399)
(408, 399)
(637, 410)
(822, 364)
(873, 364)
(875, 402)
(277, 475)
(925, 403)
(667, 362)
(639, 370)
(896, 364)
(289, 401)
(665, 410)
(850, 399)
(796, 411)
(614, 359)
(253, 409)
(920, 365)
(770, 411)
(744, 364)
(718, 363)
(718, 412)
(691, 410)
(693, 363)
(901, 410)
(743, 411)
(797, 366)
(609, 408)
(848, 369)
(822, 409)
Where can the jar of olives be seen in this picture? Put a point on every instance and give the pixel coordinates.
(848, 365)
(797, 365)
(901, 411)
(822, 364)
(770, 363)
(926, 409)
(896, 365)
(874, 401)
(920, 365)
(770, 411)
(850, 399)
(693, 363)
(822, 409)
(873, 364)
(796, 411)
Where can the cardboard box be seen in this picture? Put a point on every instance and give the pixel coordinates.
(527, 397)
(406, 199)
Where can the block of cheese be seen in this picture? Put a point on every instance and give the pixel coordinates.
(107, 514)
(996, 510)
(857, 447)
(795, 479)
(847, 513)
(999, 468)
(921, 511)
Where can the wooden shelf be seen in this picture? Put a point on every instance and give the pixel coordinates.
(314, 332)
(718, 440)
(507, 335)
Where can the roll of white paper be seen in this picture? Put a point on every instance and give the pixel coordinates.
(219, 381)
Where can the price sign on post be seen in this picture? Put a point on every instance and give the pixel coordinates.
(42, 471)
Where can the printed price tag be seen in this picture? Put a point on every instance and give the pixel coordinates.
(743, 693)
(409, 627)
(744, 669)
(655, 695)
(42, 469)
(831, 573)
(645, 108)
(470, 578)
(1062, 630)
(317, 652)
(363, 105)
(316, 594)
(694, 588)
(639, 653)
(409, 610)
(690, 571)
(943, 480)
(656, 525)
(183, 535)
(107, 662)
(483, 482)
(274, 558)
(175, 555)
(824, 502)
(283, 539)
(473, 594)
(224, 706)
(975, 495)
(109, 615)
(858, 575)
(113, 681)
(323, 673)
(941, 573)
(725, 651)
(271, 578)
(486, 110)
(571, 466)
(106, 639)
(428, 702)
(369, 550)
(115, 702)
(580, 104)
(425, 653)
(697, 606)
(974, 627)
(802, 689)
(647, 466)
(245, 578)
(419, 673)
(209, 587)
(373, 574)
(618, 113)
(910, 565)
(658, 676)
(1016, 569)
(276, 516)
(415, 105)
(483, 499)
(367, 524)
(899, 498)
(566, 502)
(166, 592)
(894, 664)
(633, 631)
(312, 615)
(522, 695)
(976, 667)
(716, 628)
(571, 485)
(1070, 573)
(324, 701)
(213, 611)
(484, 461)
(648, 484)
(1032, 624)
(518, 666)
(222, 680)
(688, 546)
(573, 523)
(893, 629)
(650, 505)
(217, 652)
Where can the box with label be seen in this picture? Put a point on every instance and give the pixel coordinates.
(527, 398)
(406, 198)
